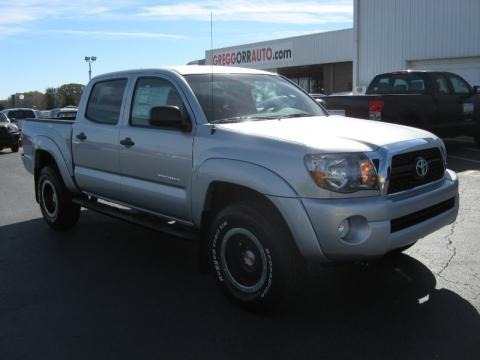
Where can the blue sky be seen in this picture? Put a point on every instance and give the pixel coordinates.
(43, 43)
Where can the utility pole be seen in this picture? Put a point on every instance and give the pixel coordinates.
(90, 59)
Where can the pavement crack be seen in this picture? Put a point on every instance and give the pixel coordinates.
(451, 248)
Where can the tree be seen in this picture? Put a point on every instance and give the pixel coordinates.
(50, 101)
(67, 94)
(70, 94)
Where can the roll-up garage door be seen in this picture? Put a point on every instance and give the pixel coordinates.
(468, 68)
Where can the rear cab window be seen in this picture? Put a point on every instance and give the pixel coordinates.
(105, 102)
(404, 83)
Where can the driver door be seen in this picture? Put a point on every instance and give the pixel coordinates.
(155, 162)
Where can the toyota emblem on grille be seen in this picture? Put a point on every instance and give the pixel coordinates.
(421, 167)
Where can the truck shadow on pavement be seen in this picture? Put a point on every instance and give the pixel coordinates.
(463, 154)
(109, 290)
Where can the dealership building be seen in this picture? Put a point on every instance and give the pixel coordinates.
(387, 35)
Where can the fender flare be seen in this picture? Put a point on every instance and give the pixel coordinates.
(266, 182)
(44, 143)
(253, 176)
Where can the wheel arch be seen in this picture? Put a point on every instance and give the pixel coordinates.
(47, 154)
(243, 176)
(220, 182)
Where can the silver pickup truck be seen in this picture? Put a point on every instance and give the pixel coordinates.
(246, 163)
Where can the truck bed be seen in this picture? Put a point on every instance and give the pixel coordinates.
(405, 109)
(58, 132)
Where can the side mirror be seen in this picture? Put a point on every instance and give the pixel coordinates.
(169, 117)
(476, 90)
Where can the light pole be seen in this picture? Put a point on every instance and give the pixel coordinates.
(90, 59)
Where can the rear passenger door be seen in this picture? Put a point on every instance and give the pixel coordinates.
(156, 163)
(444, 103)
(95, 139)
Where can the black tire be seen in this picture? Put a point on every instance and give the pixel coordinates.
(254, 259)
(55, 201)
(15, 148)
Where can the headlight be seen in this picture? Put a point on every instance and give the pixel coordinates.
(12, 128)
(343, 173)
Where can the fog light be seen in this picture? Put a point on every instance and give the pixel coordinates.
(343, 229)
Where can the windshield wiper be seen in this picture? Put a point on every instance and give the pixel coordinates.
(295, 115)
(258, 118)
(235, 119)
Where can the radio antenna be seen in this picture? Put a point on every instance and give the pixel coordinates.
(211, 61)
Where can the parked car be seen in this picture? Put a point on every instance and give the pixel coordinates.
(43, 114)
(53, 113)
(17, 115)
(68, 113)
(440, 102)
(9, 134)
(248, 165)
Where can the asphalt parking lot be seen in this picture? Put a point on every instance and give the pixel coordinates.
(110, 290)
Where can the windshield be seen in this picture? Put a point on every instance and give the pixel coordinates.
(238, 97)
(21, 114)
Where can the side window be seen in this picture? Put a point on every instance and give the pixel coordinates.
(459, 86)
(441, 85)
(105, 101)
(150, 93)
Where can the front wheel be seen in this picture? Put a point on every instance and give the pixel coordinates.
(55, 200)
(15, 148)
(253, 256)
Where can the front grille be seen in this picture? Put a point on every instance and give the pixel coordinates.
(3, 131)
(403, 175)
(422, 215)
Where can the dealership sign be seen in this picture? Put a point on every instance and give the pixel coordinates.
(267, 55)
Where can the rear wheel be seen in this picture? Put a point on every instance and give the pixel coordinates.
(55, 200)
(253, 256)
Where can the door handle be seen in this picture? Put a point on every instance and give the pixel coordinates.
(127, 142)
(81, 136)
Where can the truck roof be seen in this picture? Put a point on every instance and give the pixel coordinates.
(408, 71)
(190, 70)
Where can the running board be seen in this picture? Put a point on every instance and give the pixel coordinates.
(140, 218)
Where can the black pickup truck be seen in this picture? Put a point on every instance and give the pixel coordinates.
(440, 102)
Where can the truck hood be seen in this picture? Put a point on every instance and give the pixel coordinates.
(332, 133)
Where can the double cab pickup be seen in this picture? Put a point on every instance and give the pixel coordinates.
(440, 102)
(245, 163)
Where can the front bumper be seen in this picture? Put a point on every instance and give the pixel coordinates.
(9, 139)
(371, 218)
